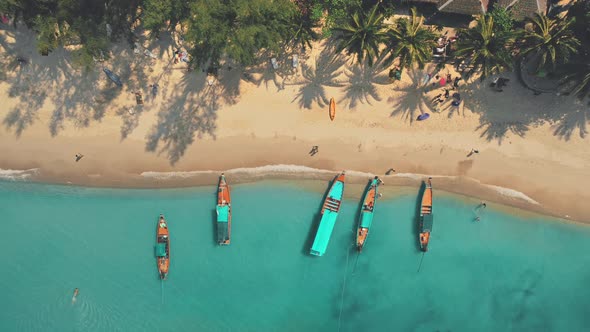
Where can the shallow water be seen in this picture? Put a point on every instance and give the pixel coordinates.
(504, 273)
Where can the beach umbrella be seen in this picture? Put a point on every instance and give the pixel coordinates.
(113, 77)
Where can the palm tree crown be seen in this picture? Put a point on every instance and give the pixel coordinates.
(411, 41)
(552, 41)
(485, 47)
(362, 35)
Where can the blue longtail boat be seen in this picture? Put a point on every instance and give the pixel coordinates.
(329, 213)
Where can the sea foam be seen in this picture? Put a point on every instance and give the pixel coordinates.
(299, 169)
(18, 174)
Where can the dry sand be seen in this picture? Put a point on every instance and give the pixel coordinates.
(536, 145)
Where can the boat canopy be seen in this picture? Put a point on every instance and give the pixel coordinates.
(161, 250)
(222, 213)
(427, 222)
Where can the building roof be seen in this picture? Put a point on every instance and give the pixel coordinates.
(468, 7)
(519, 8)
(524, 8)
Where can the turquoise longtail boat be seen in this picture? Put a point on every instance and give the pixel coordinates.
(329, 214)
(367, 210)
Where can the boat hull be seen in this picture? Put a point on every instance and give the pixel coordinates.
(332, 111)
(367, 212)
(224, 214)
(162, 248)
(329, 213)
(426, 217)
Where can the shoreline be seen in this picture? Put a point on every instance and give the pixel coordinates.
(535, 145)
(457, 185)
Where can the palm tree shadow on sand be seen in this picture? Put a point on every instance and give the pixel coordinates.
(411, 99)
(314, 79)
(362, 80)
(182, 118)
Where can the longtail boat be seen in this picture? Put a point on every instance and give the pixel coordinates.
(223, 210)
(367, 210)
(426, 216)
(162, 248)
(329, 213)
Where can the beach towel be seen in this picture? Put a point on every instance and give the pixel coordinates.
(424, 116)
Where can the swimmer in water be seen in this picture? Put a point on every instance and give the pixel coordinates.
(76, 291)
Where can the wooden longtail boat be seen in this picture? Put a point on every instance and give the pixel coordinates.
(329, 213)
(367, 210)
(223, 210)
(426, 216)
(162, 248)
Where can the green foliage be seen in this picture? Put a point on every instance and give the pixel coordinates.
(503, 19)
(411, 41)
(579, 14)
(551, 40)
(485, 47)
(160, 14)
(239, 29)
(362, 35)
(301, 33)
(338, 12)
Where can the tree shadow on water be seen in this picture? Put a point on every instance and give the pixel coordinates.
(314, 79)
(362, 79)
(411, 99)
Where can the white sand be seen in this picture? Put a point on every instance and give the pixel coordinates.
(50, 112)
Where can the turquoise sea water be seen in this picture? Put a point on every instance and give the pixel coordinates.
(505, 273)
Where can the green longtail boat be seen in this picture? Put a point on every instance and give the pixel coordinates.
(367, 210)
(329, 213)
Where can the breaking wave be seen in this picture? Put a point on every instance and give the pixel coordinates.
(17, 174)
(298, 169)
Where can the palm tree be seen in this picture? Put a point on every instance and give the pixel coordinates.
(302, 31)
(362, 35)
(551, 42)
(411, 41)
(485, 47)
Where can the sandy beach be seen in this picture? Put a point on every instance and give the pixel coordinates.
(535, 145)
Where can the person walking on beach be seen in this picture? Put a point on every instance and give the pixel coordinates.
(389, 171)
(79, 156)
(470, 154)
(314, 150)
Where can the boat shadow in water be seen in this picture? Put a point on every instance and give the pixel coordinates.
(313, 227)
(214, 220)
(416, 228)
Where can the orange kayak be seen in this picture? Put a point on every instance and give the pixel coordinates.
(332, 109)
(162, 248)
(426, 216)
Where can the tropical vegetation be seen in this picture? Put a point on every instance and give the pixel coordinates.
(247, 31)
(550, 42)
(362, 35)
(411, 42)
(485, 48)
